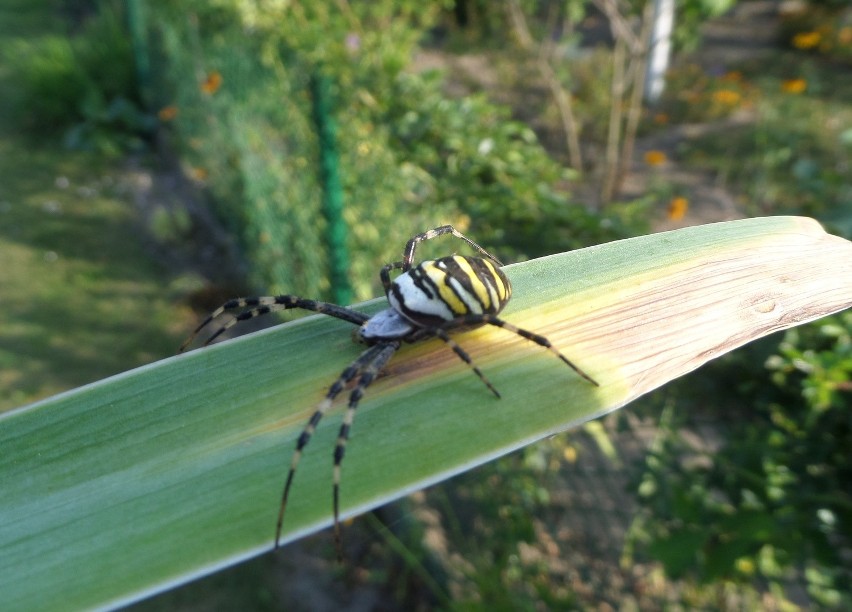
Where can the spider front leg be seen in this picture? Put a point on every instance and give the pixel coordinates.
(258, 306)
(408, 254)
(366, 367)
(411, 246)
(384, 274)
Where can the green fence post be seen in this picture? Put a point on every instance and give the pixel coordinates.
(136, 26)
(332, 191)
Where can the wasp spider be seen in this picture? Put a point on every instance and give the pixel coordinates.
(426, 301)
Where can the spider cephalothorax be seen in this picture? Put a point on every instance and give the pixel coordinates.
(426, 301)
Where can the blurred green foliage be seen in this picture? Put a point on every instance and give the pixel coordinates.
(819, 27)
(411, 157)
(691, 15)
(82, 84)
(788, 151)
(771, 497)
(237, 109)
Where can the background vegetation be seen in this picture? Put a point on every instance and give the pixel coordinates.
(145, 175)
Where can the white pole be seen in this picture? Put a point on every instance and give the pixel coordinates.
(660, 49)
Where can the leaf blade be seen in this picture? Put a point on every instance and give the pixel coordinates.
(141, 481)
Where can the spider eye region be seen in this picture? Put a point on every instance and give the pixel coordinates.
(449, 288)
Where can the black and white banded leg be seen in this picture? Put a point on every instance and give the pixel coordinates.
(473, 320)
(411, 246)
(365, 369)
(458, 350)
(258, 306)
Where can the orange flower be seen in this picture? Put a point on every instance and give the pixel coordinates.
(807, 40)
(728, 97)
(655, 158)
(661, 118)
(212, 83)
(844, 36)
(167, 113)
(199, 174)
(677, 208)
(794, 86)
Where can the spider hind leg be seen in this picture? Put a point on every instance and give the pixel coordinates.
(371, 370)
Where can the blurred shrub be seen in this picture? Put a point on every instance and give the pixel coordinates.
(82, 85)
(472, 156)
(789, 154)
(51, 84)
(232, 94)
(411, 158)
(772, 497)
(821, 27)
(693, 95)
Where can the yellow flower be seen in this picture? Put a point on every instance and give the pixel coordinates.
(728, 97)
(807, 40)
(167, 113)
(745, 566)
(677, 208)
(212, 83)
(794, 86)
(655, 158)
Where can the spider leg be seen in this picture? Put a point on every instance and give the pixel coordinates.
(411, 246)
(384, 274)
(408, 254)
(354, 369)
(537, 338)
(457, 349)
(370, 369)
(258, 306)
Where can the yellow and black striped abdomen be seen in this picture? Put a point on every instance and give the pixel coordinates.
(449, 288)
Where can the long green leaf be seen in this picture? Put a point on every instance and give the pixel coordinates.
(124, 487)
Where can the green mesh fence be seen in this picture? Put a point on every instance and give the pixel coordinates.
(410, 158)
(245, 126)
(248, 136)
